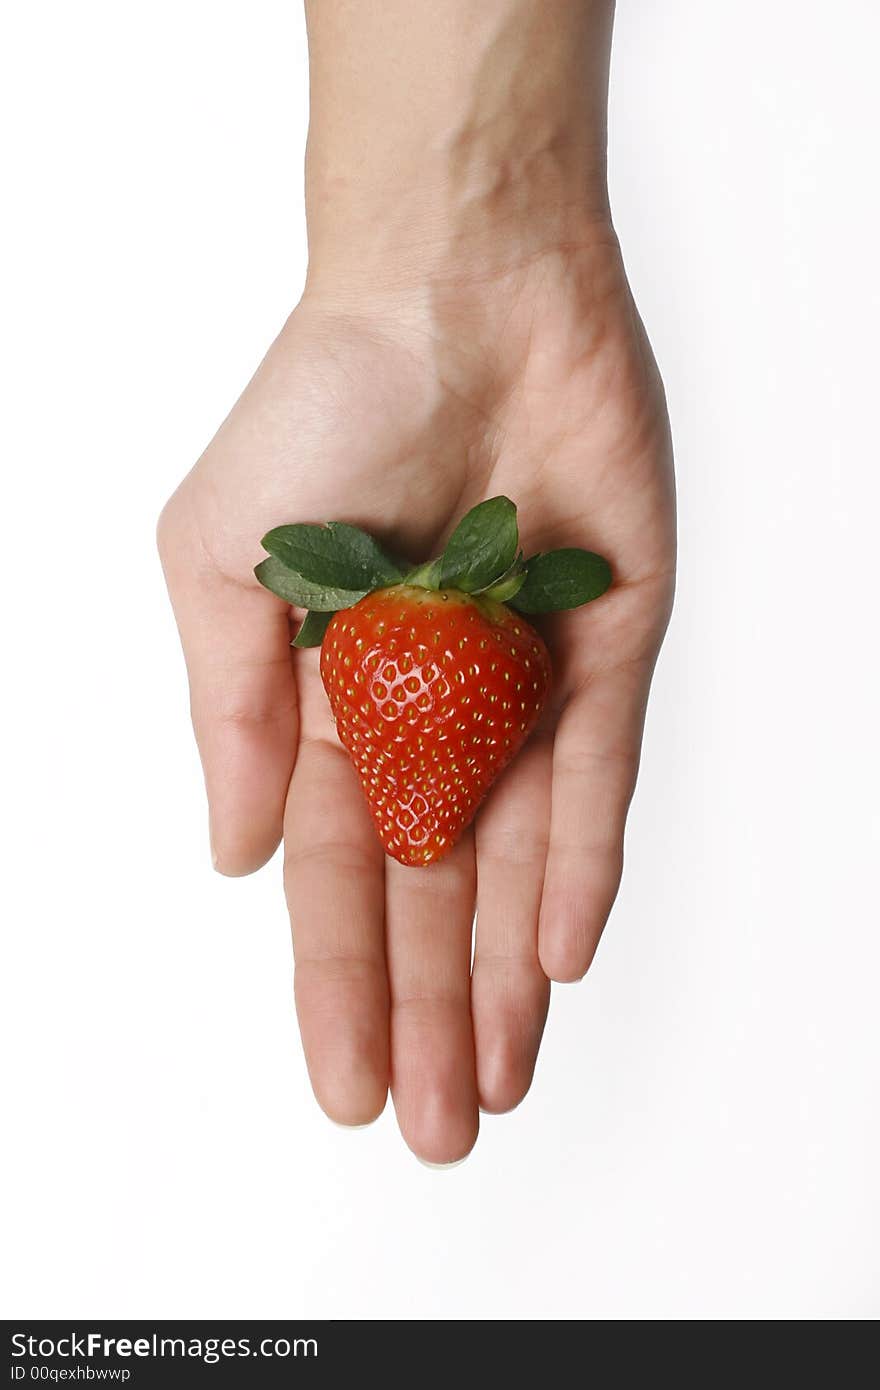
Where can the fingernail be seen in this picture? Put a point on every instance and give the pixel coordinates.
(339, 1125)
(456, 1163)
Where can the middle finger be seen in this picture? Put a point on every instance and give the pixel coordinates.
(429, 916)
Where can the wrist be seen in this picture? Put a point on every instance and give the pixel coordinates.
(454, 225)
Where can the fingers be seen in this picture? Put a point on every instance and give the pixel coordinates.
(236, 642)
(595, 761)
(428, 941)
(335, 891)
(509, 991)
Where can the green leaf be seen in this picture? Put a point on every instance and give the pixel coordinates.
(561, 579)
(290, 586)
(335, 556)
(482, 547)
(311, 633)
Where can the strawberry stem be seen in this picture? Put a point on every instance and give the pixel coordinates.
(507, 587)
(426, 576)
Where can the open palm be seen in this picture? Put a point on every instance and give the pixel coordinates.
(398, 418)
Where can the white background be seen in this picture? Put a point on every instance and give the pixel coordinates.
(702, 1139)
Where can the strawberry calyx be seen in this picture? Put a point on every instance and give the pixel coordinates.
(326, 569)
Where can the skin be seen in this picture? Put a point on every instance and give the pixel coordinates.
(466, 330)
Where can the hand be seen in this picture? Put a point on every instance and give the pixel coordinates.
(397, 412)
(466, 330)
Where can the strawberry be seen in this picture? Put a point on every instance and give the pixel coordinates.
(435, 679)
(433, 692)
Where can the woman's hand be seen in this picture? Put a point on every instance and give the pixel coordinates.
(466, 330)
(538, 384)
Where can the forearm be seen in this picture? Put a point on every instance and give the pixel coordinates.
(452, 132)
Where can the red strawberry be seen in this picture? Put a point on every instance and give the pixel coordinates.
(433, 681)
(433, 692)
